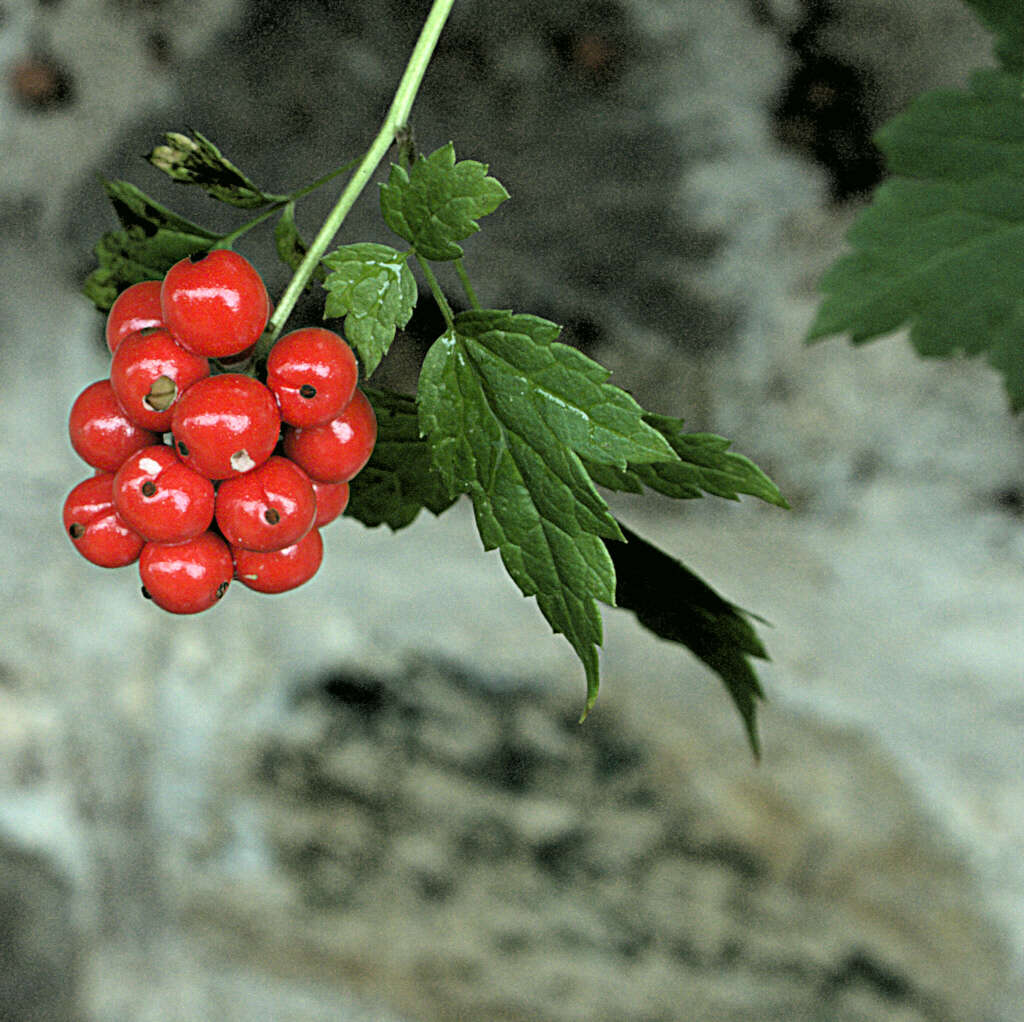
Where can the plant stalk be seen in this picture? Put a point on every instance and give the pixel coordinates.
(396, 118)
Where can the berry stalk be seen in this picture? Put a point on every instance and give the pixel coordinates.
(396, 119)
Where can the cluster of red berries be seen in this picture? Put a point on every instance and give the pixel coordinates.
(202, 478)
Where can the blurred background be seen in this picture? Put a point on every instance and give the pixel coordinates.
(370, 799)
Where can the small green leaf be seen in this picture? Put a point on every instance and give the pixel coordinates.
(508, 413)
(675, 604)
(941, 247)
(132, 255)
(291, 249)
(195, 160)
(400, 478)
(704, 465)
(436, 203)
(374, 289)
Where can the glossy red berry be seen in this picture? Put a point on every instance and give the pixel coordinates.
(337, 450)
(149, 372)
(135, 308)
(269, 508)
(189, 577)
(280, 570)
(313, 375)
(226, 425)
(331, 500)
(101, 434)
(215, 303)
(98, 532)
(161, 498)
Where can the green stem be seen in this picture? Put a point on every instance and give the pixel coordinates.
(396, 118)
(320, 181)
(460, 269)
(435, 290)
(227, 240)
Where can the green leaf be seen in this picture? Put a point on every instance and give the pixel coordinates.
(132, 255)
(677, 605)
(195, 160)
(136, 209)
(374, 289)
(436, 203)
(941, 247)
(291, 249)
(705, 465)
(399, 479)
(1006, 19)
(508, 413)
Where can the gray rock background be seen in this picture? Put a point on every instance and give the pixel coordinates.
(365, 800)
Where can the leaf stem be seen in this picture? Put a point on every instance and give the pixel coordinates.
(320, 181)
(435, 290)
(460, 269)
(396, 118)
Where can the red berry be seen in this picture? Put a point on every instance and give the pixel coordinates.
(135, 308)
(215, 303)
(97, 530)
(331, 500)
(101, 434)
(226, 425)
(337, 450)
(149, 373)
(280, 570)
(189, 577)
(161, 498)
(313, 374)
(269, 508)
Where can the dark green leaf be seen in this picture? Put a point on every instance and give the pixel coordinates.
(195, 160)
(400, 478)
(675, 604)
(132, 255)
(291, 249)
(136, 209)
(437, 202)
(373, 288)
(705, 465)
(941, 247)
(508, 413)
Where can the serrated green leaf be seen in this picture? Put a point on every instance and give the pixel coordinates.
(400, 479)
(195, 160)
(437, 202)
(508, 412)
(941, 247)
(374, 289)
(131, 255)
(705, 465)
(677, 605)
(1006, 19)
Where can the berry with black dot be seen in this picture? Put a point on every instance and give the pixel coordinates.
(188, 577)
(94, 526)
(269, 508)
(226, 425)
(313, 375)
(161, 498)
